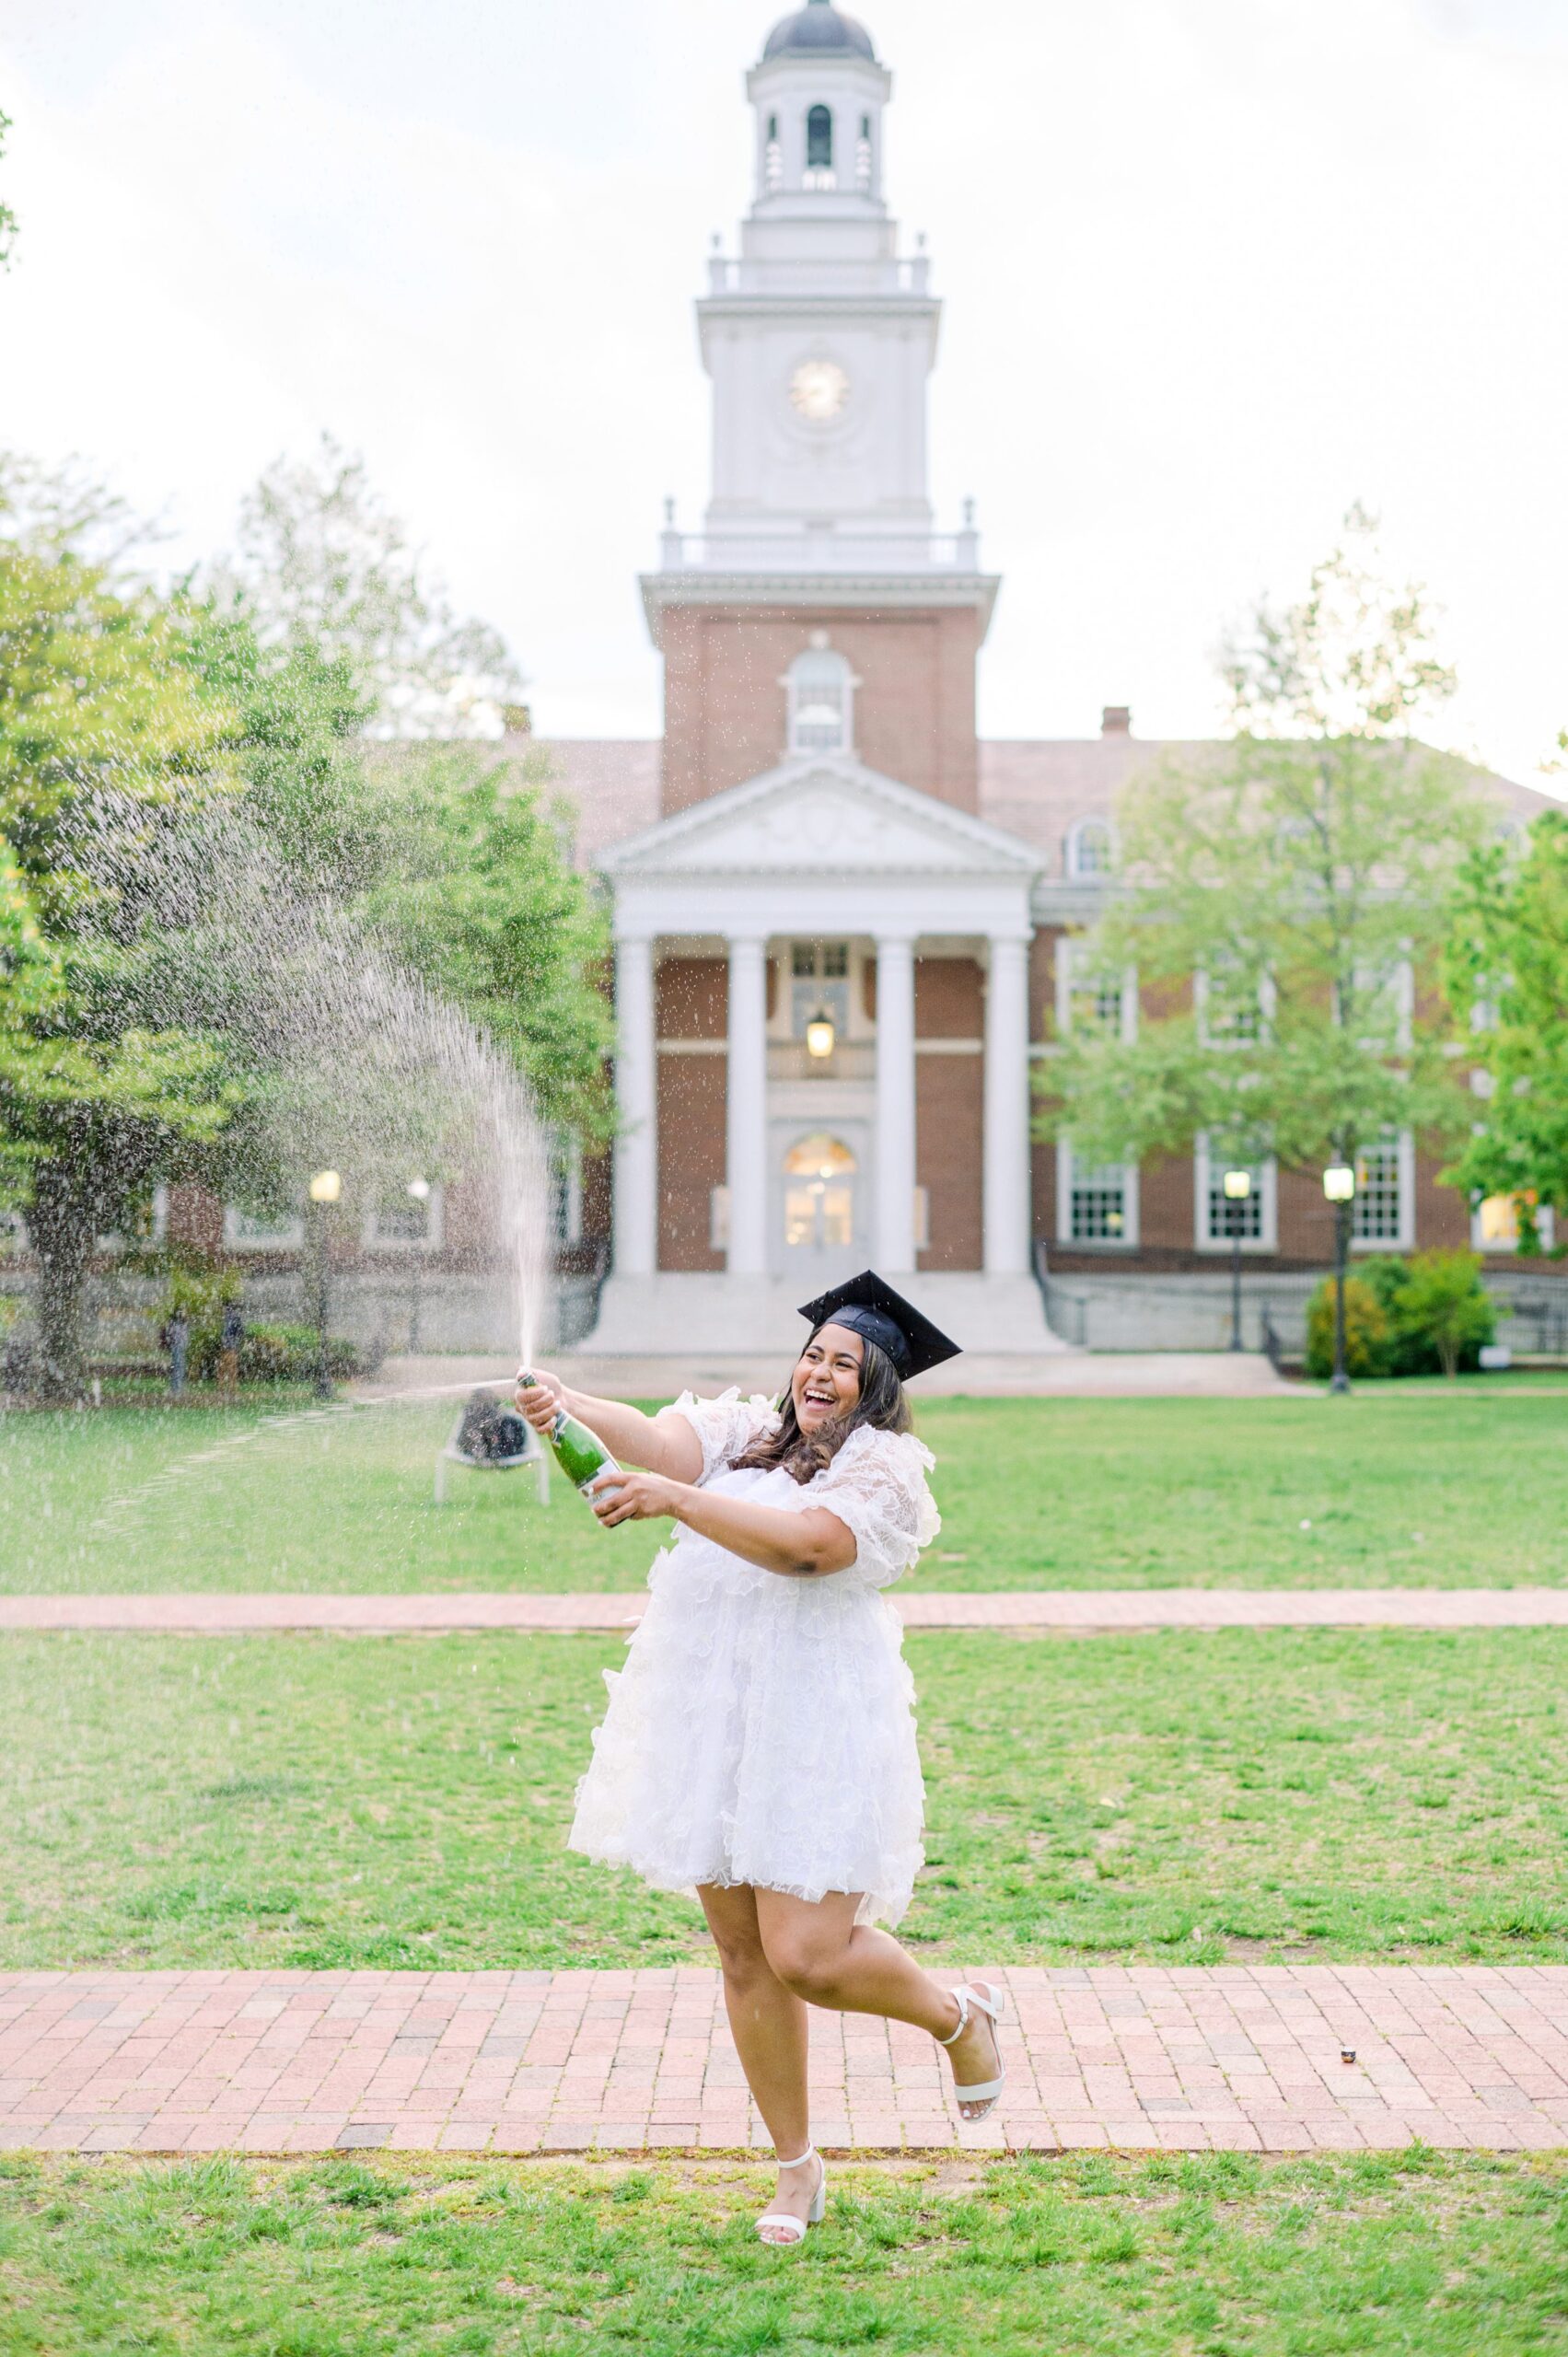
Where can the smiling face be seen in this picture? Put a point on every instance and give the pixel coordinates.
(826, 1383)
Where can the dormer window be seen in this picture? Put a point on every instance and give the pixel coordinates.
(820, 172)
(821, 702)
(1089, 849)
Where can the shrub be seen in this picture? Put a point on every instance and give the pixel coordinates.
(1368, 1340)
(1445, 1310)
(1436, 1315)
(274, 1354)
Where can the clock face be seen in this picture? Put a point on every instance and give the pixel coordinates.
(819, 390)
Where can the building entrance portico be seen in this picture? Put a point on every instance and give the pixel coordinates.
(817, 891)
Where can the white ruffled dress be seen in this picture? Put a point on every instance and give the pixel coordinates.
(762, 1729)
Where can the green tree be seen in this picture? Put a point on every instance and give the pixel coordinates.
(8, 218)
(101, 708)
(481, 902)
(454, 858)
(1283, 899)
(321, 563)
(1507, 977)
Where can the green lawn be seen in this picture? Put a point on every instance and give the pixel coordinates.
(1418, 1484)
(1083, 2256)
(403, 1802)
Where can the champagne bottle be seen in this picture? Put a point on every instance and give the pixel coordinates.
(580, 1455)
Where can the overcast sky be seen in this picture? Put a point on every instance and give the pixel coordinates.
(1212, 269)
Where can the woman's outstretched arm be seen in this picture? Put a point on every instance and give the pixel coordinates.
(797, 1546)
(665, 1443)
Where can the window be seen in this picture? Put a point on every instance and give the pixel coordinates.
(819, 985)
(261, 1232)
(822, 703)
(406, 1222)
(1097, 1202)
(1224, 1219)
(1382, 1002)
(862, 156)
(1090, 996)
(1495, 1224)
(1382, 1212)
(1090, 848)
(820, 149)
(772, 157)
(1233, 1009)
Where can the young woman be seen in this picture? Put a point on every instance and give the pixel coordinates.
(759, 1747)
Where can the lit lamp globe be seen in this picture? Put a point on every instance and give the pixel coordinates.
(1339, 1183)
(419, 1188)
(1237, 1186)
(327, 1187)
(819, 1036)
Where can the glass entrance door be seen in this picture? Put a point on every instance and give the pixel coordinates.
(819, 1223)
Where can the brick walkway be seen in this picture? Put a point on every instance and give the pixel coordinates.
(1240, 2058)
(1084, 1609)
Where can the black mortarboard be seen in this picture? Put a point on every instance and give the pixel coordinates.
(869, 1307)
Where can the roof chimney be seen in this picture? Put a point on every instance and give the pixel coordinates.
(1116, 720)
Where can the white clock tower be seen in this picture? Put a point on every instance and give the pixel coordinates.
(819, 336)
(818, 577)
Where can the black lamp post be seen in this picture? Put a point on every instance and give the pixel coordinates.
(1339, 1185)
(1237, 1193)
(326, 1189)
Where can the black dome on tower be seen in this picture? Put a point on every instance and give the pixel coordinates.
(818, 30)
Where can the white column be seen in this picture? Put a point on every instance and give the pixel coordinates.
(746, 1108)
(1007, 1220)
(895, 1106)
(637, 1095)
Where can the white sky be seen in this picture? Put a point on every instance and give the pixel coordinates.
(1214, 268)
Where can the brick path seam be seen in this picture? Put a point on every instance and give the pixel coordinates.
(1087, 1611)
(1235, 2057)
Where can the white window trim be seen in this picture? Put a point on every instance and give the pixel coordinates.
(1128, 1241)
(1405, 1240)
(1076, 868)
(1267, 999)
(1398, 975)
(1067, 962)
(290, 1236)
(1268, 1239)
(373, 1240)
(790, 683)
(1546, 1226)
(718, 1219)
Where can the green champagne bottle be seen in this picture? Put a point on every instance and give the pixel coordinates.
(580, 1456)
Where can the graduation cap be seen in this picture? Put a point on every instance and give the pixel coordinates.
(869, 1307)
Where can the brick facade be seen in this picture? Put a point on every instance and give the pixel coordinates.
(691, 1004)
(950, 1009)
(724, 708)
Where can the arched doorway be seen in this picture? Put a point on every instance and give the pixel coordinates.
(820, 1208)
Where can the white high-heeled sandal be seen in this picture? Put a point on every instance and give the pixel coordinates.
(795, 2229)
(989, 2000)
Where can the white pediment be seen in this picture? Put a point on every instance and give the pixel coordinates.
(819, 818)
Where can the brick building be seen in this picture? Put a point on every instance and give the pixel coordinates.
(840, 919)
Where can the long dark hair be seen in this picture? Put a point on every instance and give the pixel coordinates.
(805, 1454)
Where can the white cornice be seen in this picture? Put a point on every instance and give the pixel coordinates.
(903, 592)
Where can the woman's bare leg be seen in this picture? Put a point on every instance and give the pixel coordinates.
(824, 1956)
(769, 2025)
